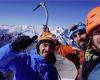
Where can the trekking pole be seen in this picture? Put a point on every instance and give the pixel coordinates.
(42, 4)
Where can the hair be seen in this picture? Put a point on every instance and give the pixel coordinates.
(52, 59)
(21, 43)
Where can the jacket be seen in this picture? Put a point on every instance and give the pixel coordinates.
(91, 66)
(29, 66)
(77, 57)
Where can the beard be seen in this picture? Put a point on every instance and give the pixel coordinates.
(83, 44)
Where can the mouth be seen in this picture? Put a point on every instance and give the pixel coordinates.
(45, 52)
(81, 43)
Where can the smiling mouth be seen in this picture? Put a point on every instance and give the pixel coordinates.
(46, 53)
(81, 43)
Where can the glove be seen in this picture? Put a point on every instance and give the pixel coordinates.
(34, 38)
(21, 43)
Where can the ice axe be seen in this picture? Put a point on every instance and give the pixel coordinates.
(43, 4)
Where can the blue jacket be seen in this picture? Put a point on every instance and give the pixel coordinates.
(30, 66)
(95, 74)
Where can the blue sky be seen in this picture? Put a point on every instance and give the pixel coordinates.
(61, 12)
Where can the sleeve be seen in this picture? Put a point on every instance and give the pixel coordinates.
(6, 56)
(64, 50)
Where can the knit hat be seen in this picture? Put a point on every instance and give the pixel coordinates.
(46, 35)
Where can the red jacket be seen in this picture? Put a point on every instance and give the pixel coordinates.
(77, 57)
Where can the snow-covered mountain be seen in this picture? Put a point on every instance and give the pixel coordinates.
(25, 29)
(7, 32)
(19, 29)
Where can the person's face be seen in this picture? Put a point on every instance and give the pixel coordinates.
(80, 37)
(46, 49)
(96, 37)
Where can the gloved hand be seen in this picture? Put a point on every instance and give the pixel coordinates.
(22, 42)
(34, 38)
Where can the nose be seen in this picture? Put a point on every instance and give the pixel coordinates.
(78, 37)
(47, 48)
